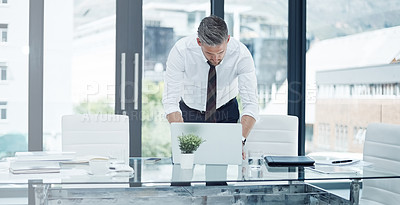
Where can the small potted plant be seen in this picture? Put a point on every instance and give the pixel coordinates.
(188, 143)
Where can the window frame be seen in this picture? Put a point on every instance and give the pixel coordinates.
(3, 73)
(3, 32)
(3, 108)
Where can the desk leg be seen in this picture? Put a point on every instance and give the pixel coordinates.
(37, 192)
(31, 191)
(355, 191)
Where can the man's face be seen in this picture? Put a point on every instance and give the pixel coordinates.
(214, 54)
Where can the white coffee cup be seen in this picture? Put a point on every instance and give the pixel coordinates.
(99, 166)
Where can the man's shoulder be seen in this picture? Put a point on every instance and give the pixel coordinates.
(237, 46)
(187, 42)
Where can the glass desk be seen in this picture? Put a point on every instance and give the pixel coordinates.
(160, 180)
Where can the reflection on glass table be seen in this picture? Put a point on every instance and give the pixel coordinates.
(161, 172)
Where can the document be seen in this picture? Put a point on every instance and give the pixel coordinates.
(34, 167)
(38, 162)
(337, 162)
(334, 170)
(84, 159)
(43, 155)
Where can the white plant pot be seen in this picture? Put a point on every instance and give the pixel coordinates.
(187, 161)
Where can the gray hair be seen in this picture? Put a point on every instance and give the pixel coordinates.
(212, 31)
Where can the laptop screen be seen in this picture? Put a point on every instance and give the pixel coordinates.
(223, 142)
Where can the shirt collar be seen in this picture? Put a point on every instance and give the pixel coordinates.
(205, 60)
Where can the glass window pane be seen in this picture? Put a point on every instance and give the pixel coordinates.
(262, 27)
(14, 21)
(352, 72)
(264, 33)
(79, 62)
(3, 114)
(4, 36)
(165, 22)
(3, 73)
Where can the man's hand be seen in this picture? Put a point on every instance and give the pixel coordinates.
(247, 122)
(243, 153)
(174, 117)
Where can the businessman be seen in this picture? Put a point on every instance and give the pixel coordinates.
(204, 75)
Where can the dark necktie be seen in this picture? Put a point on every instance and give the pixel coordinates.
(211, 106)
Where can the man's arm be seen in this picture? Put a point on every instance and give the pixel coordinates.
(247, 124)
(248, 92)
(173, 86)
(174, 117)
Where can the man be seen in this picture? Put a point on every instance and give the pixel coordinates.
(204, 75)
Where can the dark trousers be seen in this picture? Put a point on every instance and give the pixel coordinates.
(228, 113)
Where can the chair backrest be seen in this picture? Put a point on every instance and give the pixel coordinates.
(382, 149)
(97, 134)
(274, 135)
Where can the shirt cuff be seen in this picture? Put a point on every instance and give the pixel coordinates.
(171, 108)
(251, 113)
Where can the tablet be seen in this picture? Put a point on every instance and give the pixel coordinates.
(289, 161)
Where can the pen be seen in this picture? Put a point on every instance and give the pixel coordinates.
(154, 159)
(341, 161)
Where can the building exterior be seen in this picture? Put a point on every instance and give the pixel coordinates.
(356, 87)
(14, 68)
(349, 99)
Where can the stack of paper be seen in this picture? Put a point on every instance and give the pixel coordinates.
(39, 162)
(34, 167)
(335, 170)
(84, 159)
(46, 156)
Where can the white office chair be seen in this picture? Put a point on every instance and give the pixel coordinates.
(97, 135)
(382, 148)
(274, 135)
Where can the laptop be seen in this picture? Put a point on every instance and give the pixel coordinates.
(223, 143)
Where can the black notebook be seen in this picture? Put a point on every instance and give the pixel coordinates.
(289, 161)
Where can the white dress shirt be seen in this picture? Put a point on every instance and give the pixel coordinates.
(186, 77)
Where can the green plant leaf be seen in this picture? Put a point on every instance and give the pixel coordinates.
(189, 143)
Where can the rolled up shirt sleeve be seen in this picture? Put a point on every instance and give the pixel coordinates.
(247, 81)
(173, 82)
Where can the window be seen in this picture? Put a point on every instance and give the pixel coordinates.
(82, 84)
(353, 64)
(3, 73)
(162, 28)
(3, 110)
(3, 32)
(14, 85)
(262, 27)
(323, 135)
(255, 23)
